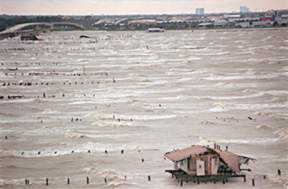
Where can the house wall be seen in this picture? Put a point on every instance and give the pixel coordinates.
(183, 165)
(199, 165)
(214, 165)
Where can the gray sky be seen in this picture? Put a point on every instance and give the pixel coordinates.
(132, 6)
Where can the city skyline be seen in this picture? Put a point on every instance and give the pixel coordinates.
(122, 7)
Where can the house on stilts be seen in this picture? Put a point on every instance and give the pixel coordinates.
(203, 164)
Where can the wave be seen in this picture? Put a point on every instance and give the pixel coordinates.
(264, 127)
(282, 133)
(261, 141)
(231, 97)
(126, 117)
(241, 77)
(94, 147)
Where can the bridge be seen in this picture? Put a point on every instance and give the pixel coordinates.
(39, 27)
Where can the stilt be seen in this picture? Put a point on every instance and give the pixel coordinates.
(279, 172)
(87, 180)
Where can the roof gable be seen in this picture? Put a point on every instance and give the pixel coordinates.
(178, 155)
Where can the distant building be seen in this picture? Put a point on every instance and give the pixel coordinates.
(244, 10)
(199, 11)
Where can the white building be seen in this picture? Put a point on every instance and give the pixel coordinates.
(199, 11)
(244, 9)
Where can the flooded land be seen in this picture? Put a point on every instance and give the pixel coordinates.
(108, 107)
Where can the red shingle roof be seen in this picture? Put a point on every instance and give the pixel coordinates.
(178, 155)
(231, 159)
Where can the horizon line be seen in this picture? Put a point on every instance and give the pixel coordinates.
(138, 14)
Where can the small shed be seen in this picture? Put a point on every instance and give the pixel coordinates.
(201, 163)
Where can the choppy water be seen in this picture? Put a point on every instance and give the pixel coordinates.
(145, 93)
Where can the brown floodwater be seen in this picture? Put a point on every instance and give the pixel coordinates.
(66, 100)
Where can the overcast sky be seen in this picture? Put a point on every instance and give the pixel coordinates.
(95, 7)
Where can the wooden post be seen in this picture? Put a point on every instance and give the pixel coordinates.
(68, 180)
(87, 180)
(244, 178)
(149, 178)
(105, 180)
(279, 172)
(47, 182)
(264, 177)
(253, 182)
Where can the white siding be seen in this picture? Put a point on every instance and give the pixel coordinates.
(214, 165)
(200, 167)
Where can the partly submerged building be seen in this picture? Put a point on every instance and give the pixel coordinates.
(199, 163)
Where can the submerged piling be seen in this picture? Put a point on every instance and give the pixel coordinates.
(279, 172)
(87, 180)
(253, 182)
(68, 180)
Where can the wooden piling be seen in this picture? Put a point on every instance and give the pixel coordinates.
(279, 172)
(87, 180)
(105, 180)
(149, 178)
(253, 182)
(244, 178)
(47, 182)
(68, 180)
